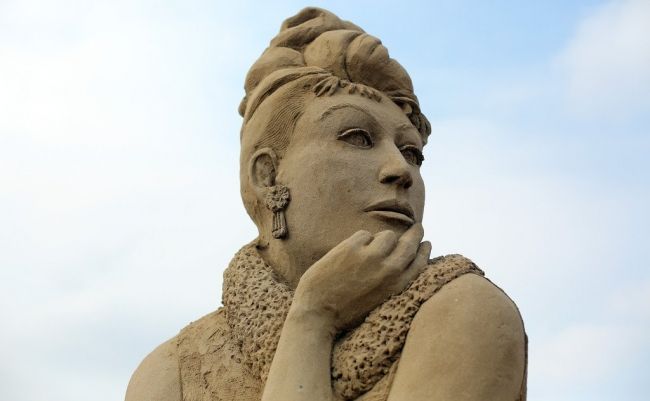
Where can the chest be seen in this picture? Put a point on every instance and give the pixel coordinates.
(212, 367)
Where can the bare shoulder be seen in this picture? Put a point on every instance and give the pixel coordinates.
(473, 332)
(472, 300)
(158, 377)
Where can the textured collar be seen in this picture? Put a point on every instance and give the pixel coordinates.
(256, 304)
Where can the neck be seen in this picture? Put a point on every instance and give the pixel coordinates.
(289, 265)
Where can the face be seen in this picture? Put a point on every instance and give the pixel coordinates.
(352, 164)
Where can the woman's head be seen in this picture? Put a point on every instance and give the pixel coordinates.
(330, 115)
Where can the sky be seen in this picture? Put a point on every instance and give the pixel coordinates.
(120, 206)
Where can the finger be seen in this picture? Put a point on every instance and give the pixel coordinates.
(361, 237)
(418, 264)
(319, 85)
(322, 90)
(406, 247)
(383, 243)
(333, 89)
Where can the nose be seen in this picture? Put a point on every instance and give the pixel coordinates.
(396, 171)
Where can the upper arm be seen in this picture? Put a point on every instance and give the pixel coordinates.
(158, 376)
(467, 342)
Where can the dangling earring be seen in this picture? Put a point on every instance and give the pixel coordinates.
(277, 200)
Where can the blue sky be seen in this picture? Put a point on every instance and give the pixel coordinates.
(119, 158)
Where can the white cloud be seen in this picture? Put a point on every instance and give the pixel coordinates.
(632, 302)
(607, 62)
(589, 353)
(117, 183)
(583, 354)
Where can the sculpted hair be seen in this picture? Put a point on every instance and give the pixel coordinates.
(315, 54)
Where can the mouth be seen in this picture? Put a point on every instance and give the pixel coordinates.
(392, 210)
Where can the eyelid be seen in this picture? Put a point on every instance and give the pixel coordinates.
(409, 146)
(417, 150)
(350, 131)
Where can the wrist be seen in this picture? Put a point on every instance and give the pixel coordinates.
(311, 319)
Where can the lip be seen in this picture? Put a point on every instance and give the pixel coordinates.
(392, 209)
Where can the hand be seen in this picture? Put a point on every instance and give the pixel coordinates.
(359, 274)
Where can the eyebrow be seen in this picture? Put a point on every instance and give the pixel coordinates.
(332, 109)
(403, 128)
(406, 127)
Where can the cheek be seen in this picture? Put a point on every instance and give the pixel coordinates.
(417, 194)
(326, 169)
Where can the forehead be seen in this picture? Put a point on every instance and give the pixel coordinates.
(343, 110)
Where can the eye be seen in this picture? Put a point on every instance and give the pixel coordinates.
(412, 155)
(357, 137)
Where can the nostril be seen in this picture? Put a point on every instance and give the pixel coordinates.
(390, 179)
(404, 180)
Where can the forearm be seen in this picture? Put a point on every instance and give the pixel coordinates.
(301, 366)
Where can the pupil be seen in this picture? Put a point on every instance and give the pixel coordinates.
(359, 139)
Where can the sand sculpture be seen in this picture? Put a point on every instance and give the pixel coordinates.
(337, 299)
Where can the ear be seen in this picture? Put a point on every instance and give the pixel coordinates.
(262, 168)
